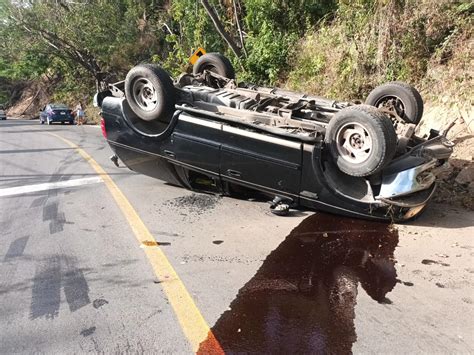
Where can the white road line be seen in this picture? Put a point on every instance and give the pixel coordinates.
(18, 190)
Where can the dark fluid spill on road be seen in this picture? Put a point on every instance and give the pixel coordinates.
(194, 203)
(302, 299)
(16, 248)
(429, 262)
(88, 331)
(99, 302)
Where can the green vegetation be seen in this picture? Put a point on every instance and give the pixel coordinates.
(370, 42)
(338, 48)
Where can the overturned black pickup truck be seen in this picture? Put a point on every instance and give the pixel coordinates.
(204, 131)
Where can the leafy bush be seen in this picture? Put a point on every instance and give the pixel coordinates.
(339, 48)
(369, 42)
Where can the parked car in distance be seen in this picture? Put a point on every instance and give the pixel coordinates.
(3, 115)
(56, 113)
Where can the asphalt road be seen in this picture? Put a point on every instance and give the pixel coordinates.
(74, 278)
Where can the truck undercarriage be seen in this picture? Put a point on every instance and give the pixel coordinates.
(366, 155)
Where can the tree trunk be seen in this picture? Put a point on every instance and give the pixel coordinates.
(220, 28)
(237, 20)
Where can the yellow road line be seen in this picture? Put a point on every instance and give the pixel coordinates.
(190, 318)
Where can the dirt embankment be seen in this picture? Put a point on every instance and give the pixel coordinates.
(28, 98)
(456, 184)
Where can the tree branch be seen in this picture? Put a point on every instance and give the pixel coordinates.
(237, 20)
(82, 57)
(220, 28)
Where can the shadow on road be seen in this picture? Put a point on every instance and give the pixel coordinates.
(42, 150)
(17, 123)
(64, 176)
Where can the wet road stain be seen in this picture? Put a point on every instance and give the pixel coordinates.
(52, 274)
(88, 331)
(38, 202)
(76, 290)
(99, 302)
(16, 248)
(217, 242)
(302, 299)
(430, 262)
(56, 219)
(50, 203)
(46, 291)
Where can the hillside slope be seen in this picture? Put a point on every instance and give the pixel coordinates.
(426, 43)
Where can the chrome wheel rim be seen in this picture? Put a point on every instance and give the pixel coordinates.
(354, 143)
(145, 94)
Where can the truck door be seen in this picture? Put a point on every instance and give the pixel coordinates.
(196, 144)
(261, 161)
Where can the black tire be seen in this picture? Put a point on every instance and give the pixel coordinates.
(404, 98)
(372, 140)
(216, 63)
(150, 93)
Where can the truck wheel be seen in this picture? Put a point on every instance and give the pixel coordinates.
(361, 140)
(216, 63)
(398, 96)
(150, 92)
